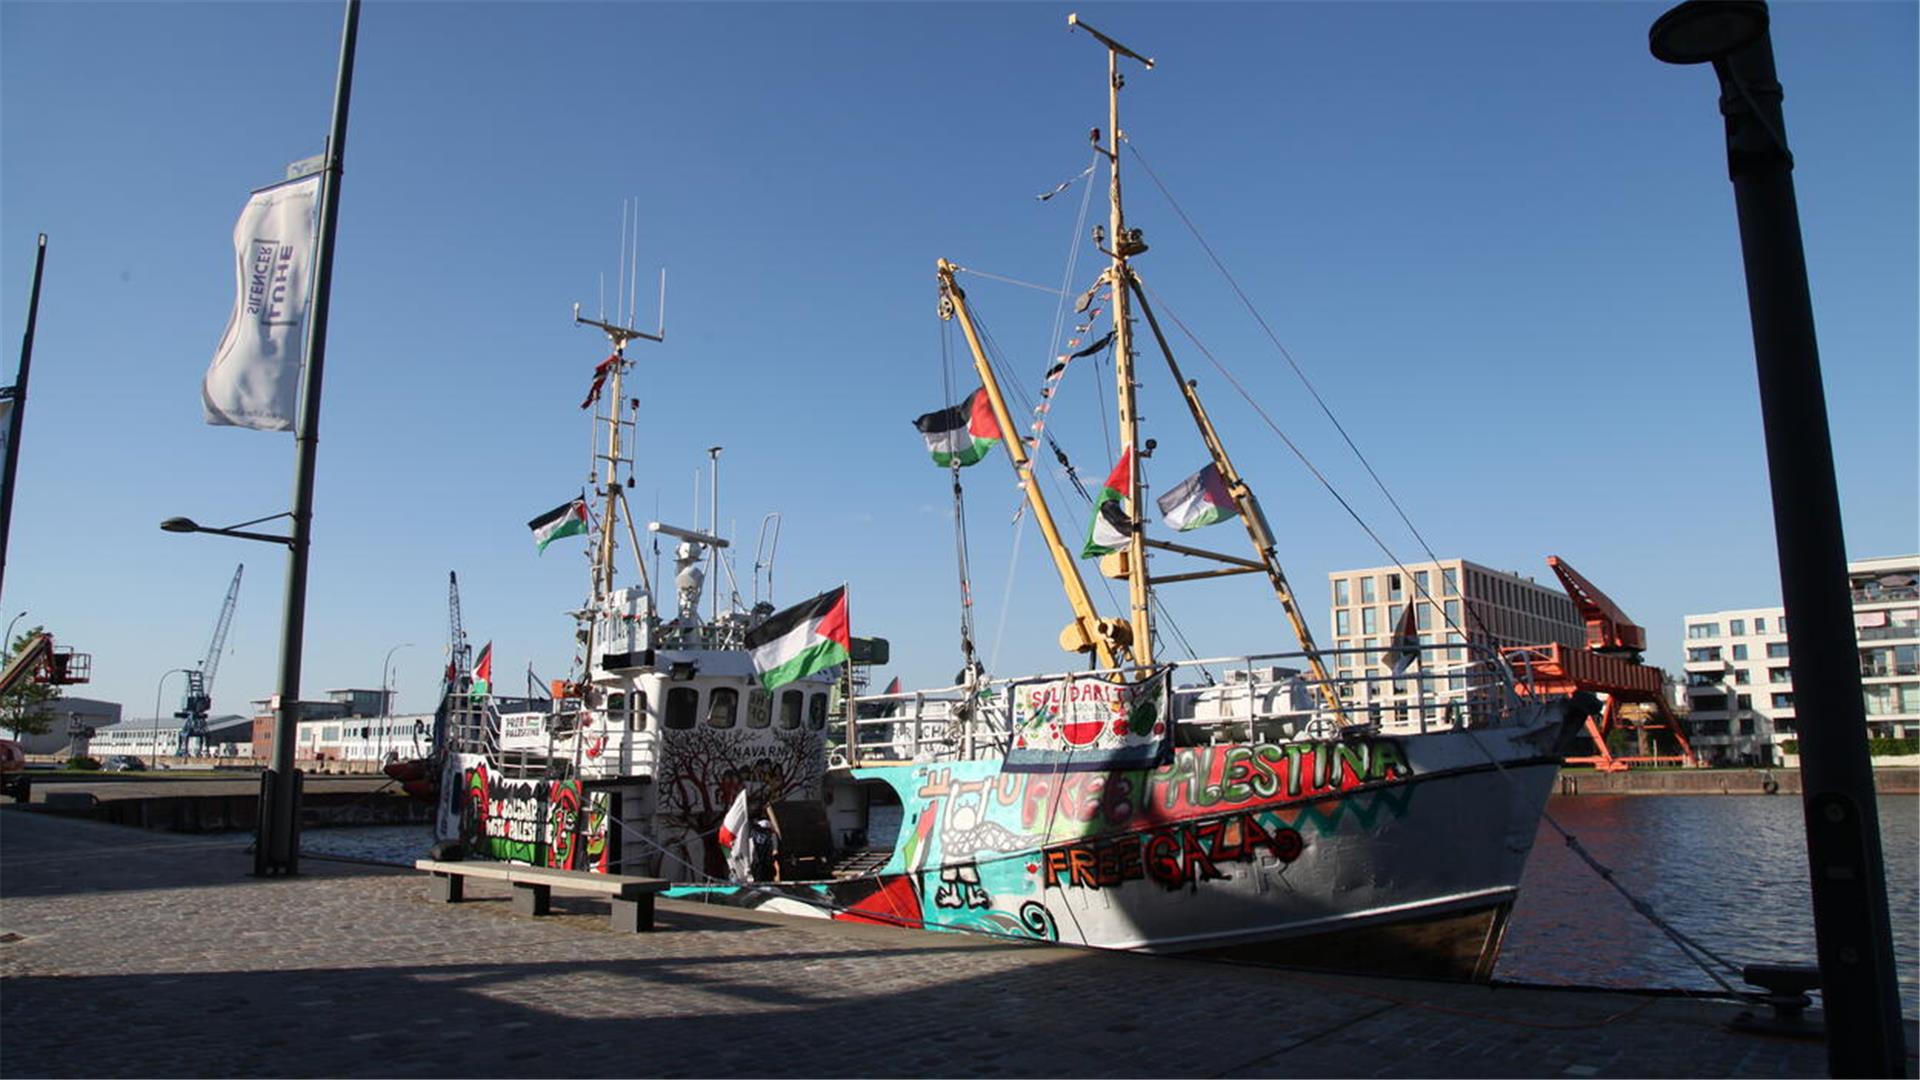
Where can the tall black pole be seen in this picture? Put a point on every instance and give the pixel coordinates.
(277, 849)
(1852, 933)
(16, 416)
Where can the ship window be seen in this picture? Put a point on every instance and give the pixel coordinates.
(816, 711)
(790, 703)
(683, 703)
(637, 711)
(759, 708)
(723, 706)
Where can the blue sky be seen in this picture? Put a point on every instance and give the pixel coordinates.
(1498, 237)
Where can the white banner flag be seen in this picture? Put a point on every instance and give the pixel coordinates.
(254, 380)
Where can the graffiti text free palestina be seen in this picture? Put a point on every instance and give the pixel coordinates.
(1198, 779)
(1173, 856)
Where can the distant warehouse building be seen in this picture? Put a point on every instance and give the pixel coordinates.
(1740, 684)
(1471, 608)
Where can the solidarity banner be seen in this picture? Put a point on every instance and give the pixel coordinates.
(1090, 724)
(254, 380)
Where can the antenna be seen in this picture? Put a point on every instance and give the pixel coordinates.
(633, 273)
(663, 302)
(620, 286)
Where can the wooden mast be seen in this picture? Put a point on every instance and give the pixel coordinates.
(1088, 632)
(1125, 244)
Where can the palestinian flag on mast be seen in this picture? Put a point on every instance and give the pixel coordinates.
(567, 519)
(807, 637)
(962, 434)
(1112, 521)
(1198, 501)
(483, 672)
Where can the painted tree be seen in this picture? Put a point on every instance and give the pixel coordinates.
(27, 708)
(702, 769)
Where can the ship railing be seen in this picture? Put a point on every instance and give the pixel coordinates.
(1452, 685)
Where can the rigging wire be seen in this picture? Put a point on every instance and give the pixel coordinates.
(1690, 948)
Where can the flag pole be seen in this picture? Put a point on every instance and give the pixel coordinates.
(277, 844)
(17, 394)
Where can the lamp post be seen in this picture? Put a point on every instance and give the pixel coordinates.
(1852, 932)
(386, 702)
(8, 643)
(154, 748)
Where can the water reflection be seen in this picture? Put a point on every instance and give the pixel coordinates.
(1729, 871)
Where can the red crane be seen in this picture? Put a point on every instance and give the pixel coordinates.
(1609, 665)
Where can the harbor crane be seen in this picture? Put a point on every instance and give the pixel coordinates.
(1610, 664)
(197, 702)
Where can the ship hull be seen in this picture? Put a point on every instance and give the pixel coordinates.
(1381, 855)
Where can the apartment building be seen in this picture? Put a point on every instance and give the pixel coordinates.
(1740, 684)
(1456, 603)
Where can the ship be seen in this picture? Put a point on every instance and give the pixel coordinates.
(1363, 810)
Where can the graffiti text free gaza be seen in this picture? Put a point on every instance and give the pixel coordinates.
(1197, 779)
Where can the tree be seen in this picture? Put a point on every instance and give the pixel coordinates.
(27, 708)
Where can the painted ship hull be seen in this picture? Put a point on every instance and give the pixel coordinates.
(1383, 854)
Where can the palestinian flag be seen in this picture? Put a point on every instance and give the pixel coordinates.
(1404, 651)
(1111, 522)
(807, 637)
(567, 519)
(483, 673)
(963, 434)
(1198, 501)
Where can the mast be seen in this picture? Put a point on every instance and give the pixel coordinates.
(1088, 632)
(1125, 245)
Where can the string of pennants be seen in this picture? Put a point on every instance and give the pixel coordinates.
(1051, 383)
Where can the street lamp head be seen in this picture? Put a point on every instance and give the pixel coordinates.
(1699, 31)
(179, 525)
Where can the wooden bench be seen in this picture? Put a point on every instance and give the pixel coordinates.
(533, 886)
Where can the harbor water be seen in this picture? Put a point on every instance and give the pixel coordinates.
(1729, 871)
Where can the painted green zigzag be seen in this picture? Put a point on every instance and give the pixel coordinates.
(1393, 801)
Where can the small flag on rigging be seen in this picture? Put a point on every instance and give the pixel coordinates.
(483, 672)
(567, 519)
(1196, 502)
(1112, 518)
(962, 434)
(1404, 651)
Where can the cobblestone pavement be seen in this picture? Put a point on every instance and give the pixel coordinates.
(129, 953)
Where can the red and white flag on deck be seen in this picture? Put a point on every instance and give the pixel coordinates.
(733, 835)
(1404, 650)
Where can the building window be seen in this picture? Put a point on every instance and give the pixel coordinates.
(1393, 586)
(1779, 675)
(1342, 623)
(1423, 616)
(1369, 620)
(1783, 701)
(1739, 652)
(1366, 591)
(1746, 725)
(1342, 593)
(1703, 630)
(1777, 650)
(1701, 655)
(1453, 613)
(683, 703)
(1745, 700)
(1760, 625)
(791, 702)
(1457, 653)
(1740, 677)
(1420, 583)
(723, 707)
(1736, 628)
(1449, 582)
